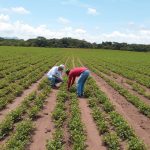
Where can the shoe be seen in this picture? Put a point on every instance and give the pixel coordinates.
(54, 87)
(80, 96)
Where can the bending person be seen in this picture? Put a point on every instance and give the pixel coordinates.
(55, 75)
(80, 72)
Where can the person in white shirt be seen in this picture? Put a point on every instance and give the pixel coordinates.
(55, 75)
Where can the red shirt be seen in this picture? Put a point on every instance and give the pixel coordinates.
(75, 73)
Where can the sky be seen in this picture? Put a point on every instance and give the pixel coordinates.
(90, 20)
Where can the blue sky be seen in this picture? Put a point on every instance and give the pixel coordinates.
(92, 20)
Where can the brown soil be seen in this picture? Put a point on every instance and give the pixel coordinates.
(18, 100)
(121, 80)
(124, 79)
(44, 125)
(139, 122)
(94, 141)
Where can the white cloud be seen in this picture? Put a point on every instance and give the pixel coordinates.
(20, 10)
(26, 31)
(63, 20)
(79, 3)
(139, 36)
(92, 11)
(80, 31)
(4, 18)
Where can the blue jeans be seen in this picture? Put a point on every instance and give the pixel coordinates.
(53, 80)
(82, 79)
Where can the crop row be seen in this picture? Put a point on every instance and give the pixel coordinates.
(6, 64)
(15, 89)
(59, 116)
(138, 68)
(76, 128)
(27, 111)
(135, 86)
(21, 137)
(138, 88)
(140, 78)
(18, 66)
(15, 77)
(136, 101)
(23, 116)
(107, 119)
(67, 111)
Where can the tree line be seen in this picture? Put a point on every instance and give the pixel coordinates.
(72, 43)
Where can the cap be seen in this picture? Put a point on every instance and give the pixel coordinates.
(62, 66)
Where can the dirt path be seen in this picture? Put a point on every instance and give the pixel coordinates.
(44, 125)
(129, 88)
(139, 122)
(121, 80)
(119, 77)
(94, 140)
(16, 102)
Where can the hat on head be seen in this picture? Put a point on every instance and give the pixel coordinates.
(62, 66)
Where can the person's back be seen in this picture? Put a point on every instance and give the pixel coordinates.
(80, 72)
(52, 71)
(77, 71)
(55, 75)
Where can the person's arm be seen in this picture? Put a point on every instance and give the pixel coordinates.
(69, 82)
(73, 79)
(61, 76)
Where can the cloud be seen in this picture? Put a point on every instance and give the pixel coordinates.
(140, 36)
(80, 31)
(4, 18)
(78, 3)
(92, 11)
(63, 20)
(18, 10)
(25, 31)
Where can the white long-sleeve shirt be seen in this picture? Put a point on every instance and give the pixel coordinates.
(54, 71)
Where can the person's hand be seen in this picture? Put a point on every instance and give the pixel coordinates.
(60, 80)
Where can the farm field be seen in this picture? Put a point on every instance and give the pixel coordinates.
(114, 115)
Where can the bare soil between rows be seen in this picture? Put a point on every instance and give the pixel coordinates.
(139, 122)
(94, 141)
(67, 140)
(16, 102)
(121, 80)
(120, 77)
(44, 126)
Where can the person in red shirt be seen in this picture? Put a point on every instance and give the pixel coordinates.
(80, 72)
